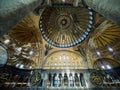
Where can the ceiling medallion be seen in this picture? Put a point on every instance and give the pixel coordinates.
(65, 27)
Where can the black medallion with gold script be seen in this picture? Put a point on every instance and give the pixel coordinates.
(5, 75)
(35, 79)
(96, 78)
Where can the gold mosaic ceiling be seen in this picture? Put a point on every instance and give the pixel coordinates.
(27, 31)
(104, 42)
(105, 33)
(65, 26)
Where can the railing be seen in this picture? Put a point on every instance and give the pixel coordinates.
(58, 79)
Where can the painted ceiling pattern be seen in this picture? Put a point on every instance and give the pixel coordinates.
(25, 31)
(23, 40)
(68, 25)
(105, 33)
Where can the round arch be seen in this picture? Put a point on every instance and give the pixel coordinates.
(64, 59)
(106, 63)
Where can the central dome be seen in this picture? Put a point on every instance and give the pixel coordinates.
(64, 26)
(64, 21)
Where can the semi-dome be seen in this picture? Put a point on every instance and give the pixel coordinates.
(106, 63)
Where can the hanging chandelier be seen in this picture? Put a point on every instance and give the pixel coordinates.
(65, 27)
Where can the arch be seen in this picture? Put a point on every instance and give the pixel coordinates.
(66, 57)
(106, 63)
